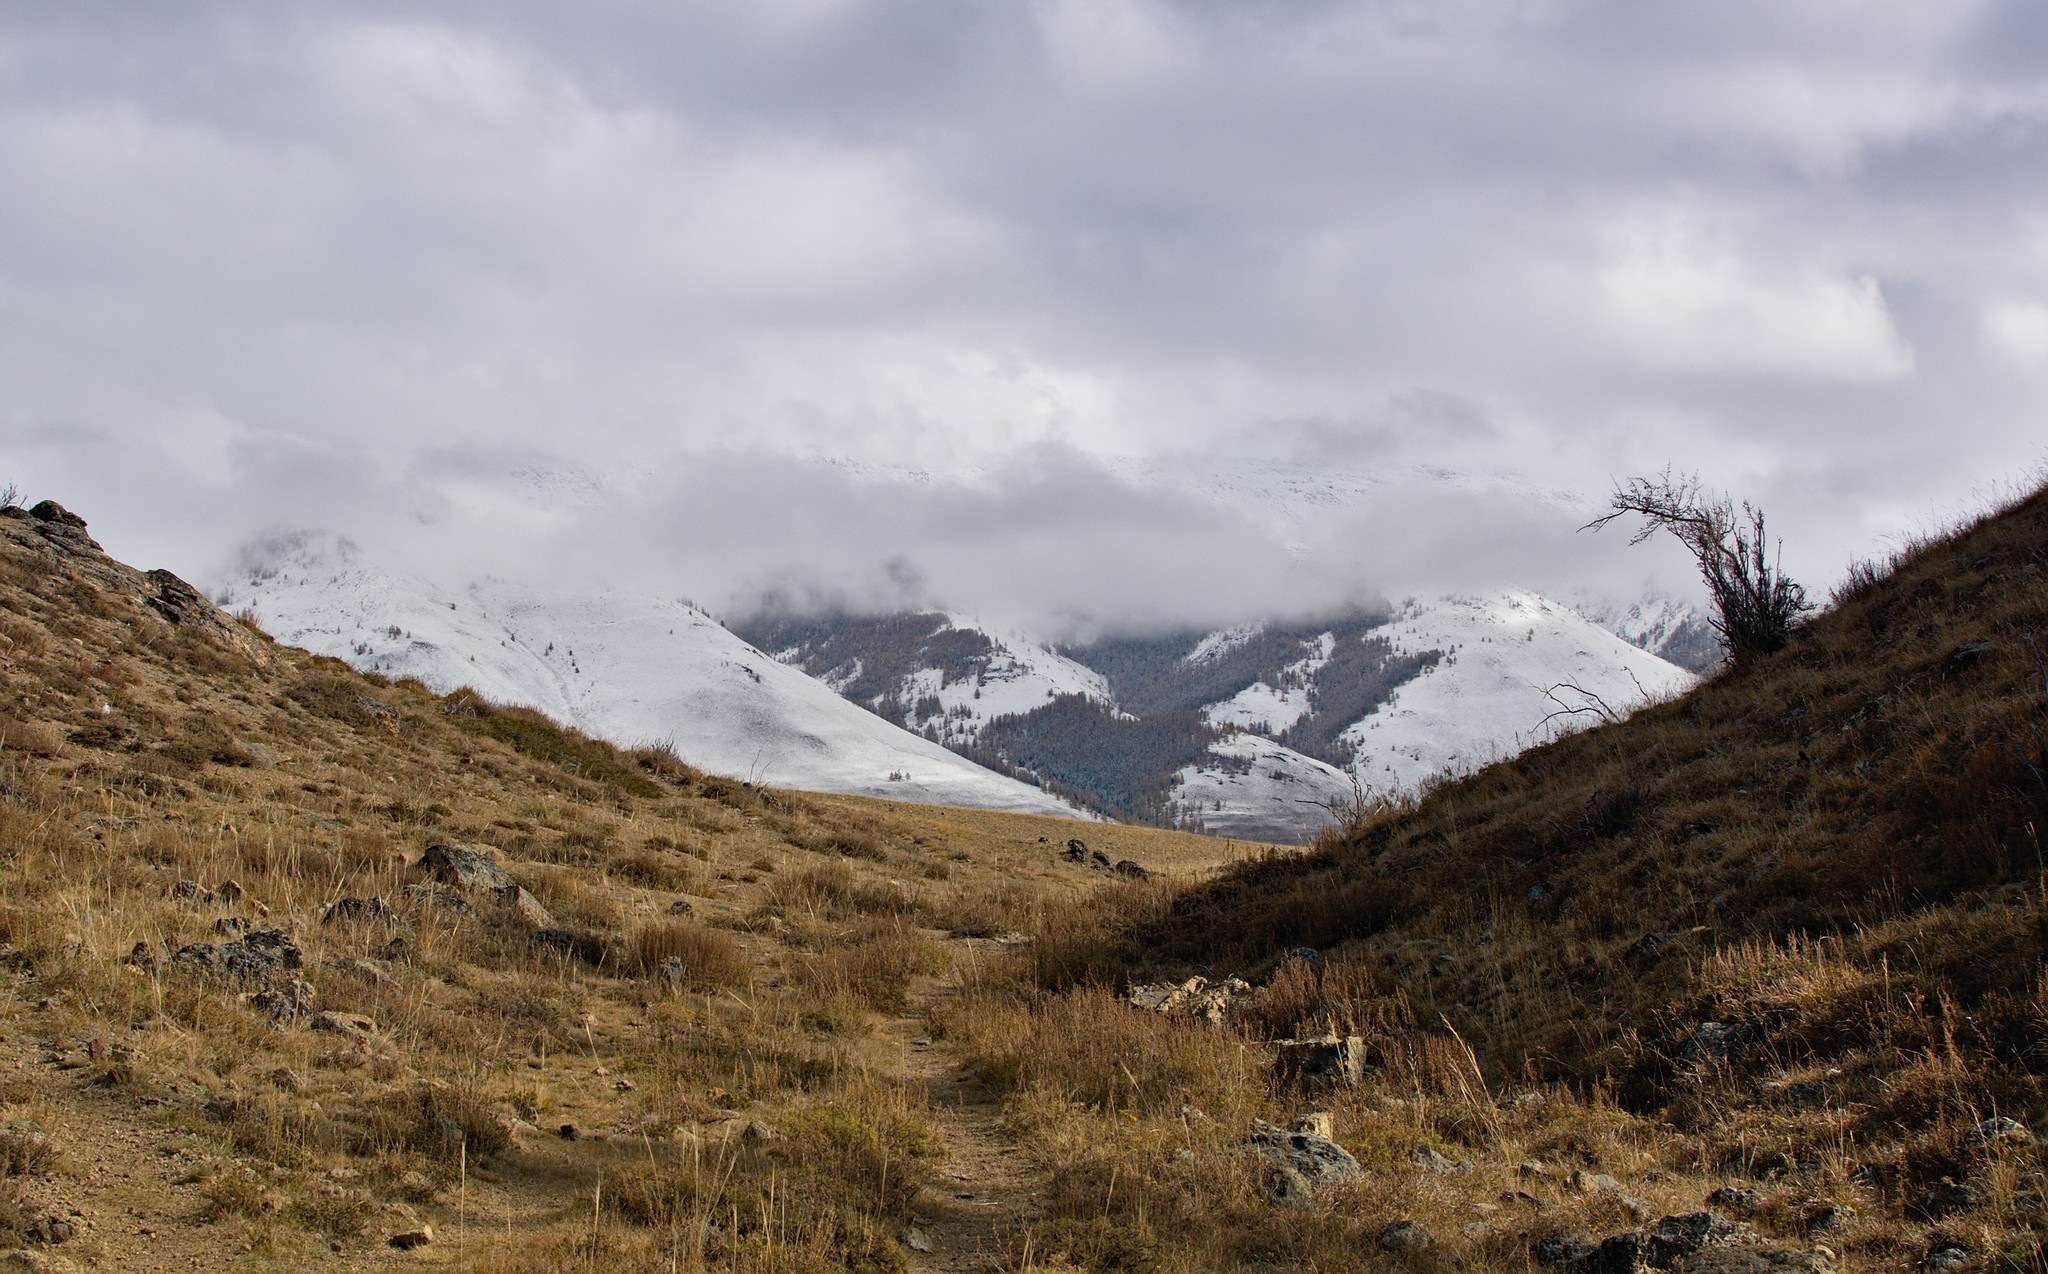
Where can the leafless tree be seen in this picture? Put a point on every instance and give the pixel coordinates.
(1756, 604)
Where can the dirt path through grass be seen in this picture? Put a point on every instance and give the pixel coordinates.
(988, 1192)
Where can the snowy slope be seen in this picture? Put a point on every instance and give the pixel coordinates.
(1488, 698)
(627, 668)
(1253, 789)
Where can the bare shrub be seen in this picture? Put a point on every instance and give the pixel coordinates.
(1755, 603)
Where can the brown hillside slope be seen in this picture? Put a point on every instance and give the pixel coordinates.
(242, 1028)
(1783, 937)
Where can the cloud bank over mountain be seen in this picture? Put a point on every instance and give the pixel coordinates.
(319, 263)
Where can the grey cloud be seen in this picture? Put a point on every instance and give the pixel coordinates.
(334, 262)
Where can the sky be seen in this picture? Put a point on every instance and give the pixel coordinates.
(917, 299)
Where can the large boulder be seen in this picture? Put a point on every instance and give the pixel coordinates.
(465, 868)
(1301, 1160)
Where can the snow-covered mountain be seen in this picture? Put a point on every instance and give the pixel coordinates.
(628, 668)
(1261, 730)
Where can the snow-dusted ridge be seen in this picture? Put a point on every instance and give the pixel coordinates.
(626, 668)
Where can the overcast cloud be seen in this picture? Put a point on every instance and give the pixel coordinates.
(353, 264)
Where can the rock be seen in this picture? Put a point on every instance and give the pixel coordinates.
(1099, 861)
(1077, 852)
(1192, 998)
(569, 1132)
(916, 1240)
(50, 511)
(1999, 1131)
(142, 956)
(1946, 1197)
(680, 907)
(51, 1230)
(352, 1026)
(1304, 955)
(1584, 1182)
(1318, 1064)
(190, 891)
(175, 600)
(1405, 1236)
(1316, 1123)
(464, 867)
(410, 1239)
(232, 925)
(1431, 1160)
(1319, 1161)
(1287, 1188)
(1948, 1258)
(38, 1262)
(1682, 1235)
(523, 907)
(257, 955)
(228, 893)
(1126, 867)
(1560, 1252)
(1715, 1042)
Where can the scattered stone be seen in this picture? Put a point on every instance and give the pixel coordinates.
(569, 1132)
(1948, 1258)
(410, 1239)
(1522, 1197)
(1583, 1182)
(232, 925)
(1405, 1236)
(1318, 1064)
(464, 867)
(51, 1230)
(191, 891)
(1077, 852)
(1317, 1160)
(256, 955)
(351, 1026)
(1715, 1042)
(1126, 867)
(228, 893)
(680, 907)
(38, 1262)
(1999, 1130)
(1530, 1169)
(1429, 1159)
(1099, 861)
(625, 1085)
(143, 957)
(522, 906)
(916, 1240)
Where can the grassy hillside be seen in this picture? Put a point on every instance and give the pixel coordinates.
(242, 1027)
(1774, 949)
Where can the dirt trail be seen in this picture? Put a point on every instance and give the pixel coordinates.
(988, 1191)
